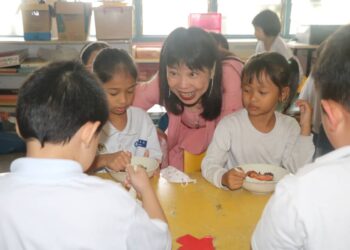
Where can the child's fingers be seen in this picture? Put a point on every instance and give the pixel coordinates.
(146, 154)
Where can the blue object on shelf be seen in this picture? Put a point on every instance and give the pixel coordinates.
(37, 36)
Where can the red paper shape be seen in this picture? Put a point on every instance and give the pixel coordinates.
(190, 242)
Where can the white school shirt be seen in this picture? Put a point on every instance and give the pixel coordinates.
(138, 135)
(236, 141)
(278, 46)
(52, 204)
(309, 210)
(281, 47)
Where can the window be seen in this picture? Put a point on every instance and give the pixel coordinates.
(157, 18)
(11, 19)
(237, 18)
(334, 12)
(169, 14)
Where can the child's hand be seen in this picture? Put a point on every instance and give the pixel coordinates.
(305, 116)
(138, 179)
(119, 160)
(233, 179)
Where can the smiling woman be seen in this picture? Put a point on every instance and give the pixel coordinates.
(197, 86)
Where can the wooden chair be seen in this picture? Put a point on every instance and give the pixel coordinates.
(192, 162)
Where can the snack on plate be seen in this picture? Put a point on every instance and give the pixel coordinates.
(260, 176)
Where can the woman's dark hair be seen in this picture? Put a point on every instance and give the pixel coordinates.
(268, 21)
(282, 73)
(196, 49)
(332, 68)
(220, 40)
(111, 61)
(56, 100)
(89, 48)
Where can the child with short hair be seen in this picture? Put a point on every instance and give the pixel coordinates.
(267, 26)
(89, 52)
(258, 133)
(129, 130)
(310, 210)
(46, 200)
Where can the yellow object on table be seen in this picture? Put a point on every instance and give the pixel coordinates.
(202, 210)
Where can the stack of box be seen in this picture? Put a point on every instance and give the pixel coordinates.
(36, 21)
(73, 20)
(113, 21)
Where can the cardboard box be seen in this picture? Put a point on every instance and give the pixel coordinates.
(36, 21)
(73, 20)
(113, 21)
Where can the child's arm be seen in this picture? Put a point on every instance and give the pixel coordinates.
(140, 181)
(116, 161)
(214, 163)
(305, 117)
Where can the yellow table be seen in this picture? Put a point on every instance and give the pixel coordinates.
(203, 210)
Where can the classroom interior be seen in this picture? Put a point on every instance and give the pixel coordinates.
(134, 26)
(303, 34)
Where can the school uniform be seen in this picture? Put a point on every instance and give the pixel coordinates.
(52, 204)
(138, 135)
(280, 46)
(236, 142)
(309, 210)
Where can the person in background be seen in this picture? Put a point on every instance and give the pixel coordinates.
(221, 40)
(258, 133)
(129, 130)
(309, 94)
(47, 201)
(309, 210)
(267, 28)
(197, 86)
(89, 52)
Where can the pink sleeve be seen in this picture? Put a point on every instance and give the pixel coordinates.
(231, 83)
(147, 94)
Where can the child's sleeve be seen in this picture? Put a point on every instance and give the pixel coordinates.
(299, 149)
(147, 233)
(217, 155)
(153, 145)
(280, 226)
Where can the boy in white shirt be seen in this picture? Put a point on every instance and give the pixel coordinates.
(47, 202)
(310, 210)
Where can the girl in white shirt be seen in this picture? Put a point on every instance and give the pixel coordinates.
(258, 133)
(129, 130)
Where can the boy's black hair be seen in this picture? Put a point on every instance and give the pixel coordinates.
(332, 68)
(220, 40)
(195, 48)
(89, 48)
(268, 21)
(56, 100)
(282, 73)
(111, 61)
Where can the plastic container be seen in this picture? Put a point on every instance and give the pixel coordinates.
(210, 22)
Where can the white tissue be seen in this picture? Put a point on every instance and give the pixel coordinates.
(174, 175)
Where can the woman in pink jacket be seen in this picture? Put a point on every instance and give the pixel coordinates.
(197, 86)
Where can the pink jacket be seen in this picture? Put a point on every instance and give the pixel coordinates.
(182, 133)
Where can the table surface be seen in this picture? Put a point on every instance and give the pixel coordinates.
(202, 210)
(297, 45)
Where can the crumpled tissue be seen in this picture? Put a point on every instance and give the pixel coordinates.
(174, 175)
